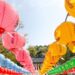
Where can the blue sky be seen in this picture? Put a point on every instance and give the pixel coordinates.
(40, 18)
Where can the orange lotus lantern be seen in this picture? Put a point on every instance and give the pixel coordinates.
(70, 7)
(55, 51)
(65, 33)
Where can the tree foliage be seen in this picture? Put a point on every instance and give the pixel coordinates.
(37, 51)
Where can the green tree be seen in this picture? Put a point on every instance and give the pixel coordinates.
(37, 51)
(32, 51)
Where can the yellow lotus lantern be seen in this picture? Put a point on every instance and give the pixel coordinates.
(71, 46)
(70, 7)
(48, 64)
(55, 51)
(65, 33)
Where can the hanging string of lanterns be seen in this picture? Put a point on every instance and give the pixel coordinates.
(22, 56)
(11, 40)
(64, 36)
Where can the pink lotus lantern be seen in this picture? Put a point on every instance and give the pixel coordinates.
(12, 41)
(8, 18)
(24, 58)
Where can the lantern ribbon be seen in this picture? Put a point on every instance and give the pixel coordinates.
(60, 69)
(5, 62)
(7, 71)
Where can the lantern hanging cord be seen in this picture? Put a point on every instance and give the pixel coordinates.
(3, 13)
(66, 17)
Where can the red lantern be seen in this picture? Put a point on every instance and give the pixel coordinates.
(8, 18)
(13, 40)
